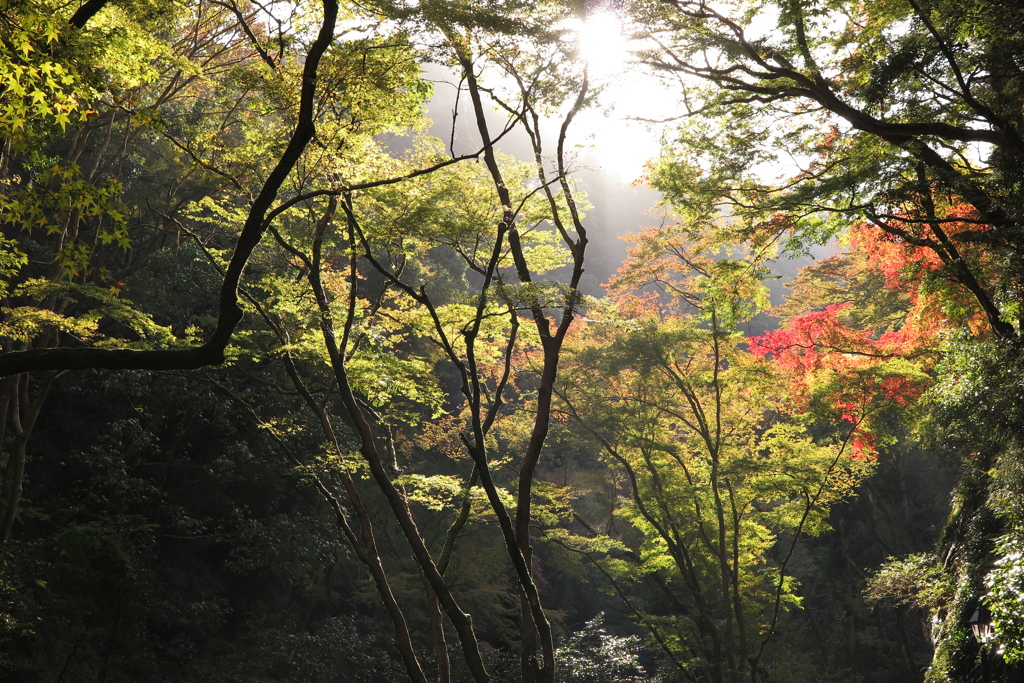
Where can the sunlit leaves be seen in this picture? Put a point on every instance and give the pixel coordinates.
(12, 260)
(59, 194)
(696, 268)
(24, 323)
(1005, 584)
(434, 492)
(717, 467)
(36, 88)
(863, 331)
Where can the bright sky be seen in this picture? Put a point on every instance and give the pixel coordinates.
(620, 143)
(610, 138)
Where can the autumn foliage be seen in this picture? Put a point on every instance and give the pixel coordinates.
(871, 336)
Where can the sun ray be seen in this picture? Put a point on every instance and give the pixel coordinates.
(603, 45)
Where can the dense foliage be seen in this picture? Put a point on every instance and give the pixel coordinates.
(293, 390)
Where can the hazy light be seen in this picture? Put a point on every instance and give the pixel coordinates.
(619, 144)
(603, 45)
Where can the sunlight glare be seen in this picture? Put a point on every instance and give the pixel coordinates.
(620, 144)
(602, 44)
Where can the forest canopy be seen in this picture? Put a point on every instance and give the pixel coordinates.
(300, 384)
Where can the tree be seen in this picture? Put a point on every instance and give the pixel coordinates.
(723, 480)
(861, 334)
(298, 114)
(183, 114)
(304, 81)
(903, 115)
(77, 200)
(859, 343)
(496, 231)
(890, 143)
